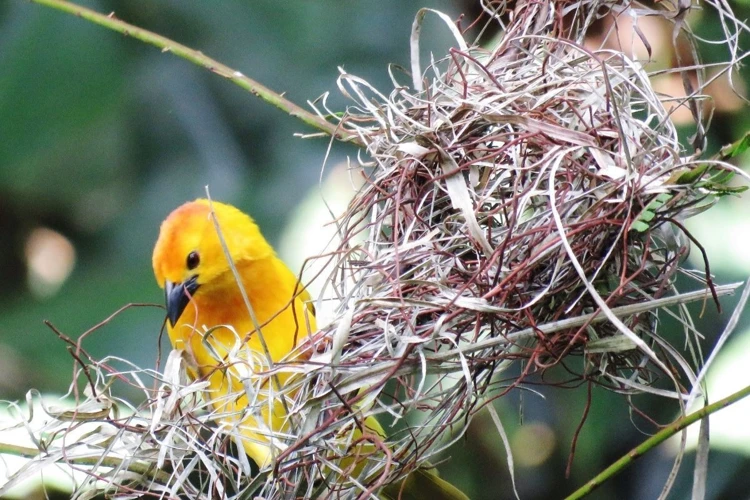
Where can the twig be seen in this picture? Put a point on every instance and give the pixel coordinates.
(198, 58)
(146, 468)
(655, 440)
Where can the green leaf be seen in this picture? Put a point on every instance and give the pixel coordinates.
(692, 175)
(640, 224)
(736, 148)
(721, 177)
(724, 190)
(646, 216)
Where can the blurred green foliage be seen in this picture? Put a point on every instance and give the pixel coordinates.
(101, 136)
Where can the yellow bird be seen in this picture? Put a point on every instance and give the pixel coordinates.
(207, 318)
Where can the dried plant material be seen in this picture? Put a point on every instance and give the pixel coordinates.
(510, 190)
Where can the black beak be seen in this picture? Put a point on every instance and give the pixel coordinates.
(177, 296)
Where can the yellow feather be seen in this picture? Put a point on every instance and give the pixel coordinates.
(213, 325)
(217, 306)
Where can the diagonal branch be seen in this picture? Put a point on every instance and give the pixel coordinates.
(655, 440)
(198, 58)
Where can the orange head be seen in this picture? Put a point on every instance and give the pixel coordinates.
(189, 258)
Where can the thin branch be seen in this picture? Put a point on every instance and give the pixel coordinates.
(655, 440)
(144, 468)
(198, 58)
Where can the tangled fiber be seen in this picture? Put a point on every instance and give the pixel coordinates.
(522, 210)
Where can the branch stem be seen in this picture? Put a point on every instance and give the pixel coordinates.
(655, 440)
(198, 58)
(108, 461)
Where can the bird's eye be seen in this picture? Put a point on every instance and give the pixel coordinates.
(193, 259)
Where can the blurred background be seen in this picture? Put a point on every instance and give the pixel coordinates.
(102, 136)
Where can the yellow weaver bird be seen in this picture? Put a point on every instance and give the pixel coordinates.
(208, 319)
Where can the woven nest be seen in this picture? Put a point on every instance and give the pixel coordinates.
(521, 211)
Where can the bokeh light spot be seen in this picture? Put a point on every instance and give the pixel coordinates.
(533, 444)
(50, 258)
